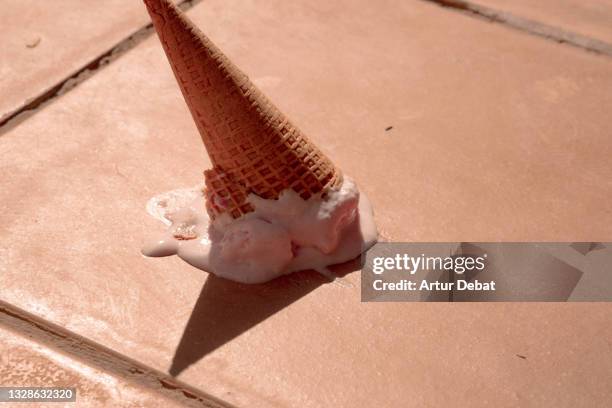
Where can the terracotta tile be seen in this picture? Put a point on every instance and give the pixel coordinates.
(26, 363)
(496, 135)
(44, 42)
(591, 18)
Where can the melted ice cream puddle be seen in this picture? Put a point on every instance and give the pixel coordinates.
(279, 237)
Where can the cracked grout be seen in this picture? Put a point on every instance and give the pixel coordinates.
(32, 105)
(103, 358)
(532, 27)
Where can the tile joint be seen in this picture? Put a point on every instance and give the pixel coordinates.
(34, 104)
(532, 27)
(103, 358)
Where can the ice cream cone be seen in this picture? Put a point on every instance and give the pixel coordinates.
(253, 147)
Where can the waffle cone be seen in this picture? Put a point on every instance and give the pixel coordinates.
(253, 147)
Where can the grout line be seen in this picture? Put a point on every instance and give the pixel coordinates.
(32, 105)
(532, 27)
(548, 32)
(104, 358)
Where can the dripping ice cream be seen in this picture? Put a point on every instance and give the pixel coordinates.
(278, 237)
(272, 203)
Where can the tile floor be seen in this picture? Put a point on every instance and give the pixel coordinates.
(497, 135)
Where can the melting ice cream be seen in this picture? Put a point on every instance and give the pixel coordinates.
(273, 202)
(279, 237)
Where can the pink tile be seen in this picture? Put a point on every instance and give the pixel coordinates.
(496, 135)
(26, 363)
(591, 18)
(45, 42)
